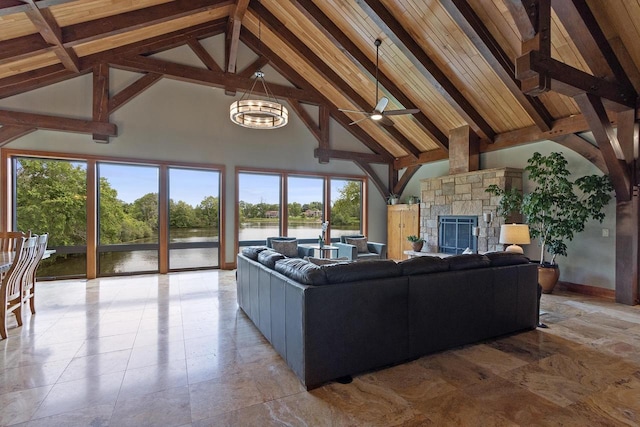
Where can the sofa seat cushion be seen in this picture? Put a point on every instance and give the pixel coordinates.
(359, 242)
(499, 259)
(360, 271)
(368, 256)
(468, 261)
(288, 248)
(423, 265)
(268, 258)
(252, 252)
(301, 271)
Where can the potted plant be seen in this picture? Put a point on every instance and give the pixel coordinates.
(556, 208)
(416, 243)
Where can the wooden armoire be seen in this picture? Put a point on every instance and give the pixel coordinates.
(402, 221)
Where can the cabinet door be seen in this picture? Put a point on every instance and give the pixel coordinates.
(411, 222)
(394, 232)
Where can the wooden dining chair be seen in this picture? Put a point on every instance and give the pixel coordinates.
(11, 287)
(29, 278)
(8, 239)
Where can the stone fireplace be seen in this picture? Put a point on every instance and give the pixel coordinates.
(463, 194)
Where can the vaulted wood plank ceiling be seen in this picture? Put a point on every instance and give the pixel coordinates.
(476, 63)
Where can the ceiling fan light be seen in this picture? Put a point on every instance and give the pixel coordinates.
(376, 116)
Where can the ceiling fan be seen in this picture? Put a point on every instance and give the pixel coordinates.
(379, 114)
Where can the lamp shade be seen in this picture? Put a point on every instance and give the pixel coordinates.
(514, 234)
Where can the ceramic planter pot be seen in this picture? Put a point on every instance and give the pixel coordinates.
(548, 276)
(417, 246)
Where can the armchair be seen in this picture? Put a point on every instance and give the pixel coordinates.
(303, 251)
(373, 250)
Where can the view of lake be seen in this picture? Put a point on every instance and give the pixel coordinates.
(147, 260)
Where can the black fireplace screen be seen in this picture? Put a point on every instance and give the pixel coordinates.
(455, 234)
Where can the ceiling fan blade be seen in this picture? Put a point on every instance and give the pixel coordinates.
(400, 112)
(382, 104)
(358, 121)
(353, 111)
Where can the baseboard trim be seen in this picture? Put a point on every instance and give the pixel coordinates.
(593, 291)
(228, 266)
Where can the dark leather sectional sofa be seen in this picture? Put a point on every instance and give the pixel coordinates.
(336, 320)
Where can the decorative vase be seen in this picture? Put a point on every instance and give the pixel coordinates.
(393, 201)
(320, 243)
(548, 276)
(417, 246)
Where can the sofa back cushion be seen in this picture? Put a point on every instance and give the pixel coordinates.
(252, 252)
(359, 242)
(468, 261)
(288, 248)
(499, 259)
(301, 271)
(268, 258)
(324, 261)
(423, 265)
(359, 271)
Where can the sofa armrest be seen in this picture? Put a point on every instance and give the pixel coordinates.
(378, 248)
(347, 250)
(304, 251)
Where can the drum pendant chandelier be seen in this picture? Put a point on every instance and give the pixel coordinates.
(254, 113)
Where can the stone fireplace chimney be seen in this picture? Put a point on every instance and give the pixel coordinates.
(464, 155)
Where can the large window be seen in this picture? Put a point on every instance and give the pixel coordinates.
(128, 218)
(194, 221)
(260, 201)
(50, 197)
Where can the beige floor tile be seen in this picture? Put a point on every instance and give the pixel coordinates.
(148, 379)
(170, 407)
(19, 406)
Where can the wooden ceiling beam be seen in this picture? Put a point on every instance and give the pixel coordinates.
(233, 34)
(250, 70)
(379, 14)
(10, 133)
(13, 50)
(591, 42)
(203, 55)
(34, 79)
(101, 99)
(466, 18)
(88, 31)
(583, 147)
(309, 56)
(351, 156)
(570, 81)
(324, 24)
(410, 171)
(596, 115)
(524, 13)
(425, 157)
(373, 176)
(9, 7)
(197, 75)
(48, 27)
(134, 89)
(293, 76)
(57, 123)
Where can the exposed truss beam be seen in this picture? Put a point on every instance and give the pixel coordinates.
(51, 32)
(134, 89)
(309, 56)
(233, 34)
(251, 69)
(584, 148)
(373, 176)
(65, 124)
(401, 38)
(351, 155)
(101, 98)
(426, 157)
(324, 24)
(399, 187)
(9, 133)
(524, 13)
(35, 79)
(8, 7)
(203, 55)
(497, 58)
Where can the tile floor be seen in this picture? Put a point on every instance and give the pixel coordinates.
(175, 350)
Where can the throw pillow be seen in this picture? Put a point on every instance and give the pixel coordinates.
(268, 258)
(252, 252)
(360, 243)
(288, 248)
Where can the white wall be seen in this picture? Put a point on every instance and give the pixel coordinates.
(591, 257)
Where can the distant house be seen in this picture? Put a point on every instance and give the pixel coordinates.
(272, 214)
(313, 213)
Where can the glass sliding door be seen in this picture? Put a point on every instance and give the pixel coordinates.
(258, 207)
(194, 220)
(305, 207)
(346, 207)
(127, 219)
(51, 197)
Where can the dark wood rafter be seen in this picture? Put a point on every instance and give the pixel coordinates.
(8, 7)
(101, 98)
(359, 58)
(56, 123)
(197, 75)
(324, 123)
(351, 155)
(467, 19)
(584, 148)
(588, 37)
(628, 136)
(320, 131)
(405, 178)
(306, 119)
(88, 31)
(524, 14)
(250, 70)
(309, 56)
(604, 134)
(35, 79)
(10, 133)
(134, 89)
(401, 38)
(293, 76)
(203, 55)
(426, 157)
(51, 32)
(26, 47)
(233, 35)
(373, 177)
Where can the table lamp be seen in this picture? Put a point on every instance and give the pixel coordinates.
(514, 235)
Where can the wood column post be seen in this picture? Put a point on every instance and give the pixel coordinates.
(627, 249)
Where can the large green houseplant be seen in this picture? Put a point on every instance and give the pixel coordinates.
(556, 208)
